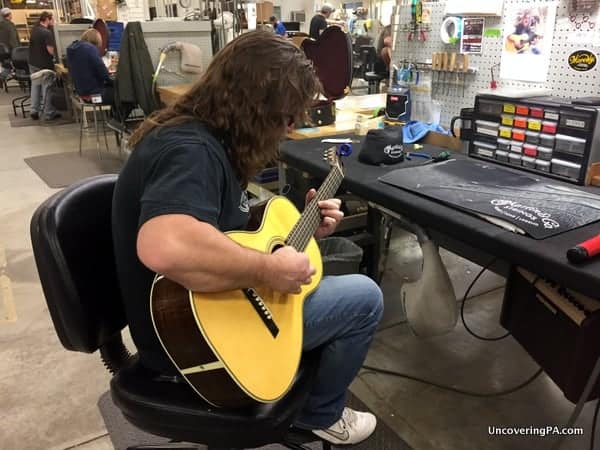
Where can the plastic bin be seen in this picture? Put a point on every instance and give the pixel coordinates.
(340, 256)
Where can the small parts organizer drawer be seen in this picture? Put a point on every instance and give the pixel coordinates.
(520, 122)
(539, 134)
(576, 121)
(486, 128)
(549, 127)
(530, 150)
(485, 149)
(490, 108)
(565, 168)
(569, 144)
(518, 135)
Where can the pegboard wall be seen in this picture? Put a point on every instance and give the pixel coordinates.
(562, 80)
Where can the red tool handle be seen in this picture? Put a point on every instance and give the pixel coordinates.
(585, 250)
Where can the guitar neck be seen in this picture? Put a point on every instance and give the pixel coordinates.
(311, 217)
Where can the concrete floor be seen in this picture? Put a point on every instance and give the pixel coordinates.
(49, 395)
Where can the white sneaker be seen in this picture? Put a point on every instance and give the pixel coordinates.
(352, 428)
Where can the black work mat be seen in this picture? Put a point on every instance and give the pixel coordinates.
(59, 170)
(124, 435)
(539, 207)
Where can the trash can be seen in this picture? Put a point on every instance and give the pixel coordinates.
(340, 256)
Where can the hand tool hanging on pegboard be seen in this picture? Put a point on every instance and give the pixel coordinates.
(416, 28)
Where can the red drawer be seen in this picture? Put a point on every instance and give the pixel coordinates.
(522, 110)
(537, 113)
(518, 135)
(520, 122)
(530, 150)
(549, 127)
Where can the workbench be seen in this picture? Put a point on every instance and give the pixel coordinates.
(460, 232)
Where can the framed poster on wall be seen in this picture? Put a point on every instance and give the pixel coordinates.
(527, 40)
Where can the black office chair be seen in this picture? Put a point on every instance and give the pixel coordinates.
(72, 244)
(20, 61)
(368, 56)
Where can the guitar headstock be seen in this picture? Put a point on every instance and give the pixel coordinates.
(334, 157)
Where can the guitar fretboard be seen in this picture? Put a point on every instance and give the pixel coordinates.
(311, 217)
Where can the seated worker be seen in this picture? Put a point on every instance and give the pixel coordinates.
(184, 185)
(384, 50)
(278, 27)
(90, 75)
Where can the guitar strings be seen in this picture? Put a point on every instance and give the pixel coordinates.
(297, 237)
(306, 226)
(302, 229)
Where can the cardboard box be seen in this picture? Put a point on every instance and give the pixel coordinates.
(442, 140)
(264, 10)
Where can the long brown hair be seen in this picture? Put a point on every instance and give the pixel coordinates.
(92, 36)
(252, 88)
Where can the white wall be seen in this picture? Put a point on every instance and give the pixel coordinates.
(292, 5)
(296, 5)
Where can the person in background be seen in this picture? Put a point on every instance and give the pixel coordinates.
(318, 24)
(184, 186)
(41, 56)
(87, 69)
(384, 48)
(9, 39)
(356, 25)
(8, 31)
(278, 27)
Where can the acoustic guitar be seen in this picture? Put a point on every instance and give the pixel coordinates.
(519, 43)
(243, 346)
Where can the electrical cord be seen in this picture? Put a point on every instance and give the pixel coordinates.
(594, 376)
(594, 424)
(583, 398)
(373, 369)
(462, 306)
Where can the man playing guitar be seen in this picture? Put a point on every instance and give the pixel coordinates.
(184, 186)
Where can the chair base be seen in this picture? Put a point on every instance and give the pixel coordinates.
(295, 440)
(95, 108)
(22, 103)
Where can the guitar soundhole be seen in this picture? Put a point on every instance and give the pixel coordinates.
(276, 247)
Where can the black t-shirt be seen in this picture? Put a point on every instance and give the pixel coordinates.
(174, 170)
(317, 24)
(39, 57)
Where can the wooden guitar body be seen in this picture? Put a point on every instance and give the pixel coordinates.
(517, 43)
(238, 346)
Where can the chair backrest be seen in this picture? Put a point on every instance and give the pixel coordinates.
(368, 54)
(20, 58)
(71, 235)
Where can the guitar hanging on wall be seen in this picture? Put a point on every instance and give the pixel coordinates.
(244, 345)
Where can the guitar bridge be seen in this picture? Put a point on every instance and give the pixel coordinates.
(261, 309)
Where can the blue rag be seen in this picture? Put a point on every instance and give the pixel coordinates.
(414, 131)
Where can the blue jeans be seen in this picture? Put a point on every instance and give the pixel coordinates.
(5, 72)
(341, 316)
(39, 96)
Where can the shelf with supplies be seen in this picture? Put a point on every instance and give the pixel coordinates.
(545, 135)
